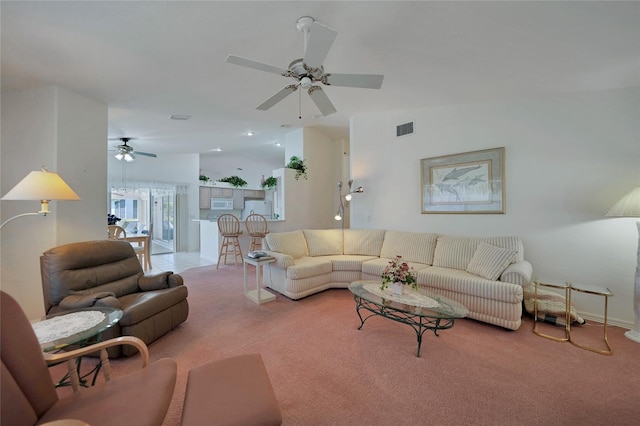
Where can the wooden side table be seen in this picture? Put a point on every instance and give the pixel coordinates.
(259, 295)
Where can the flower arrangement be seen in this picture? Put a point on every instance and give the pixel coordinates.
(398, 271)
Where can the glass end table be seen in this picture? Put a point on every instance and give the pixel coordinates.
(78, 327)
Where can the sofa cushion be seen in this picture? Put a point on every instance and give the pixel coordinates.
(463, 282)
(365, 242)
(292, 243)
(490, 261)
(137, 307)
(306, 267)
(376, 266)
(323, 242)
(412, 246)
(454, 252)
(346, 262)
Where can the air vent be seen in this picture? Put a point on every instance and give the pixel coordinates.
(404, 129)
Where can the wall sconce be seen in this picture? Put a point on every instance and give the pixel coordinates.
(40, 185)
(347, 197)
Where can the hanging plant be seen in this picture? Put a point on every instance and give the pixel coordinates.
(235, 181)
(299, 166)
(269, 183)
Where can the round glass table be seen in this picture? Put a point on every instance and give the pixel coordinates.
(79, 327)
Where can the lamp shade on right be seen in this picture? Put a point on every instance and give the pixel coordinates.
(628, 206)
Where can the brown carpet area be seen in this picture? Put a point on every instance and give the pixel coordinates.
(326, 372)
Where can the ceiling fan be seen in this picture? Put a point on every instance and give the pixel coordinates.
(306, 71)
(126, 152)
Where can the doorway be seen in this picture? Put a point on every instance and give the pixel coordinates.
(147, 211)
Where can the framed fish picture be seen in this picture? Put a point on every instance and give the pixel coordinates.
(470, 182)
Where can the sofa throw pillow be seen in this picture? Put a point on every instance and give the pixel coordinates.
(291, 243)
(323, 242)
(490, 261)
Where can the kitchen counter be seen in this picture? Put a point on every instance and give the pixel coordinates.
(210, 238)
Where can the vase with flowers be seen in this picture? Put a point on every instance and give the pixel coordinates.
(397, 274)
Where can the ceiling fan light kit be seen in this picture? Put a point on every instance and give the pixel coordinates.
(127, 153)
(306, 71)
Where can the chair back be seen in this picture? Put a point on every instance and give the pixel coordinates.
(27, 388)
(116, 232)
(86, 267)
(229, 225)
(256, 225)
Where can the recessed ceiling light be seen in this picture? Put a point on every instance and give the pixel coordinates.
(249, 133)
(180, 117)
(216, 149)
(278, 144)
(285, 125)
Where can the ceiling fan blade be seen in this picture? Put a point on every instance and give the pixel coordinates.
(364, 81)
(146, 154)
(277, 97)
(320, 40)
(321, 100)
(237, 60)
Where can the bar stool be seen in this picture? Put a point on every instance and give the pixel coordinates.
(229, 227)
(257, 228)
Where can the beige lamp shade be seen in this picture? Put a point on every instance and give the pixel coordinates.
(628, 206)
(41, 186)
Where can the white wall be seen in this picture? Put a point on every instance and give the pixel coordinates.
(66, 132)
(174, 168)
(568, 159)
(311, 202)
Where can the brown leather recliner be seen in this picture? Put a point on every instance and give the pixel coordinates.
(108, 273)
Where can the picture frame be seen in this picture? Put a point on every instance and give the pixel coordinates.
(469, 182)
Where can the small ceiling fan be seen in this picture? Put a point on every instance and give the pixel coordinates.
(306, 71)
(126, 152)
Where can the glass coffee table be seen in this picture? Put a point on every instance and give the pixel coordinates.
(79, 327)
(421, 310)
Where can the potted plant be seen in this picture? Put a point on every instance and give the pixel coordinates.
(298, 165)
(235, 181)
(269, 183)
(203, 178)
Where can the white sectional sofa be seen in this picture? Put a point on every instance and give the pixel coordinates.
(487, 275)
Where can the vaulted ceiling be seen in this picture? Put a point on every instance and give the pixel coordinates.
(148, 60)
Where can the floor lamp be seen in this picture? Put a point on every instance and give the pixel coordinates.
(629, 206)
(40, 185)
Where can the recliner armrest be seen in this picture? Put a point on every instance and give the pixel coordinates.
(160, 281)
(175, 280)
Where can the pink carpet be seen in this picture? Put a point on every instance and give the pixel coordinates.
(326, 372)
